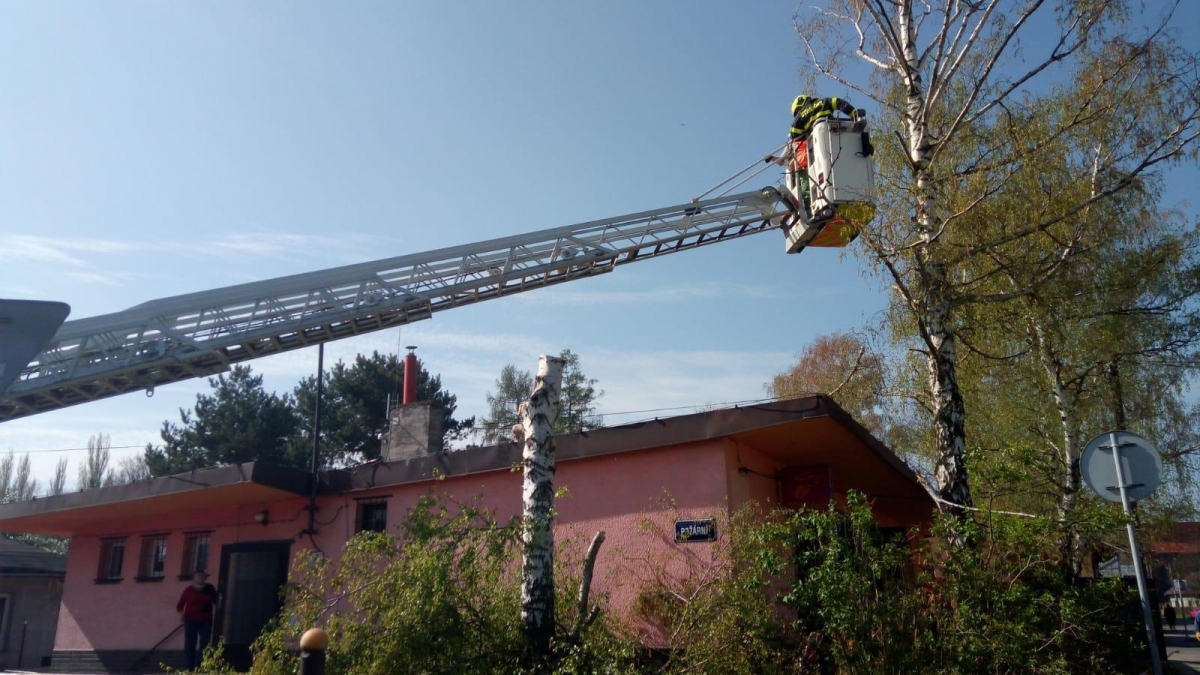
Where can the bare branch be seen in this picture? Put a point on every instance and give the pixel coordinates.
(853, 371)
(982, 79)
(948, 18)
(879, 15)
(586, 617)
(826, 72)
(862, 54)
(965, 50)
(1150, 160)
(1029, 288)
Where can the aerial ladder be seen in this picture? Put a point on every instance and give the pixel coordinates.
(201, 334)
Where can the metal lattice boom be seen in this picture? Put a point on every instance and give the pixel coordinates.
(200, 334)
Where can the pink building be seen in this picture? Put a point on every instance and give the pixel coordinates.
(133, 546)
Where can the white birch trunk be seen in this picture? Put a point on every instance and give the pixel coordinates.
(538, 415)
(1072, 479)
(934, 299)
(949, 411)
(1070, 450)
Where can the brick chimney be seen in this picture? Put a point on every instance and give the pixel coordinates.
(414, 427)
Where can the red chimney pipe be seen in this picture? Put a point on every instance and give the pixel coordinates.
(410, 376)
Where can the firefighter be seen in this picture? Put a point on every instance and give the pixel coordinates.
(806, 110)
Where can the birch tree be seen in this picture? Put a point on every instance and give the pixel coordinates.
(941, 72)
(1122, 307)
(538, 415)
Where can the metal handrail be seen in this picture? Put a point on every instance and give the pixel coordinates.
(134, 665)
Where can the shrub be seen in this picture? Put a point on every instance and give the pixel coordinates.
(444, 597)
(827, 592)
(802, 592)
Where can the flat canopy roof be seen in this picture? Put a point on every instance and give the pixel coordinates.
(233, 485)
(812, 429)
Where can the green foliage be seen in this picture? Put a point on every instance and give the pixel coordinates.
(577, 401)
(511, 388)
(577, 398)
(214, 662)
(238, 422)
(842, 366)
(441, 598)
(354, 410)
(1020, 230)
(829, 592)
(241, 422)
(784, 592)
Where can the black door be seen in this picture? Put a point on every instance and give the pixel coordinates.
(252, 576)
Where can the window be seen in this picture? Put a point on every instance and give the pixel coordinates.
(195, 554)
(152, 562)
(372, 515)
(112, 555)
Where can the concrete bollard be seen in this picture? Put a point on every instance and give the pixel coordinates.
(312, 651)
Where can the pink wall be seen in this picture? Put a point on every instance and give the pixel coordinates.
(750, 475)
(634, 497)
(132, 615)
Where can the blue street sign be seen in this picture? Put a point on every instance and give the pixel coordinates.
(690, 531)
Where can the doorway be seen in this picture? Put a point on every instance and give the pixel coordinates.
(252, 575)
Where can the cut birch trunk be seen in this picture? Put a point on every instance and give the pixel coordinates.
(538, 415)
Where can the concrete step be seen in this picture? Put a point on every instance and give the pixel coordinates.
(115, 661)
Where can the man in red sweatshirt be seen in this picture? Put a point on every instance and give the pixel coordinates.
(195, 607)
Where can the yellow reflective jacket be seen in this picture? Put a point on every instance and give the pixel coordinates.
(805, 113)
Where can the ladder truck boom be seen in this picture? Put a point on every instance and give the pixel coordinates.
(200, 334)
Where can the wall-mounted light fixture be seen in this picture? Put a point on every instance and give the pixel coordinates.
(262, 517)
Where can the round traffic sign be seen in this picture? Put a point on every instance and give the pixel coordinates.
(1140, 464)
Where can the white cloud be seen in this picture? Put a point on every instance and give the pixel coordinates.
(64, 435)
(468, 363)
(18, 290)
(267, 243)
(348, 248)
(105, 279)
(691, 378)
(56, 250)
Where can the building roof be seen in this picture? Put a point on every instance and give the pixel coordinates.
(1183, 539)
(20, 559)
(736, 422)
(814, 428)
(61, 515)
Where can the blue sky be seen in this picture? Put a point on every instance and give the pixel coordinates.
(152, 149)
